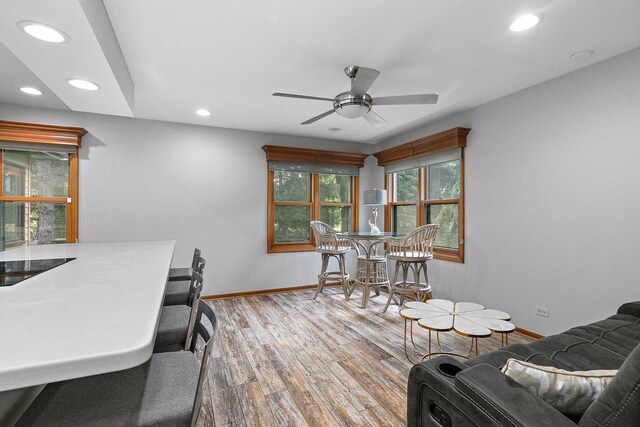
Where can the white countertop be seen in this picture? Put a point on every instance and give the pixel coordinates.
(96, 314)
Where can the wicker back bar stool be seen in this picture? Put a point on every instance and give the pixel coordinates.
(411, 252)
(331, 246)
(371, 271)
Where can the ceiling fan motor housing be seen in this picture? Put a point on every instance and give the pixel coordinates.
(352, 106)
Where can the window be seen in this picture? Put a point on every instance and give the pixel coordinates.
(301, 189)
(442, 202)
(404, 200)
(425, 185)
(336, 203)
(38, 189)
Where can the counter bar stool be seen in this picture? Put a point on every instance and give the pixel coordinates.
(165, 390)
(177, 293)
(411, 252)
(177, 321)
(371, 271)
(184, 273)
(330, 246)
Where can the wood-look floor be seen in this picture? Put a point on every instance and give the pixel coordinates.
(287, 360)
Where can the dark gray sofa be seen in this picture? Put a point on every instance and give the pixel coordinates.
(447, 392)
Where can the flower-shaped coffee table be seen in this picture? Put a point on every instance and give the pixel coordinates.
(465, 318)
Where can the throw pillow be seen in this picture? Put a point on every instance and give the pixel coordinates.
(570, 392)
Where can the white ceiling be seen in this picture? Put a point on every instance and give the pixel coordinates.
(230, 56)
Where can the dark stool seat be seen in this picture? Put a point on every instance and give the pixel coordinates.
(158, 392)
(173, 328)
(184, 273)
(177, 293)
(177, 321)
(180, 274)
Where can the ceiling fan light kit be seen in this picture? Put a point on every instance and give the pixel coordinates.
(352, 106)
(356, 103)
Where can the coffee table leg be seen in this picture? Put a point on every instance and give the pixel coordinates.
(406, 353)
(504, 339)
(473, 341)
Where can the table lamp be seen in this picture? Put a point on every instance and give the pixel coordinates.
(375, 198)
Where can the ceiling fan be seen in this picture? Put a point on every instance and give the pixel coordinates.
(357, 102)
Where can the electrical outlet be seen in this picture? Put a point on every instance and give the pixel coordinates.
(542, 311)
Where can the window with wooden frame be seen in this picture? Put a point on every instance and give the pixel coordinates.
(39, 189)
(425, 185)
(304, 185)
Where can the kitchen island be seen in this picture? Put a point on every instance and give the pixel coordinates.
(93, 314)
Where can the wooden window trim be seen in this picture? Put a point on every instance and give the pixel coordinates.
(40, 134)
(305, 155)
(308, 155)
(452, 138)
(53, 135)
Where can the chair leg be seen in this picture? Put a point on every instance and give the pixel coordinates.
(405, 274)
(392, 285)
(365, 295)
(395, 280)
(426, 274)
(321, 276)
(416, 278)
(389, 299)
(344, 280)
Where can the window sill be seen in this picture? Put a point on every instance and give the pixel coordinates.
(290, 247)
(451, 255)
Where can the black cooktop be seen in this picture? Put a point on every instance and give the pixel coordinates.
(12, 272)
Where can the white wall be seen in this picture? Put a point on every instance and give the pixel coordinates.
(552, 198)
(202, 186)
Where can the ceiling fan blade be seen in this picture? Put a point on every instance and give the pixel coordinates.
(318, 117)
(374, 119)
(363, 79)
(292, 95)
(429, 98)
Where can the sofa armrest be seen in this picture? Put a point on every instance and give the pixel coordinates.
(504, 400)
(631, 308)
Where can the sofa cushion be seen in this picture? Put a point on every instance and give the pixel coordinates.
(570, 392)
(619, 404)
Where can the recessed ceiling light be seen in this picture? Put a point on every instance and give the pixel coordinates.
(583, 54)
(31, 90)
(43, 32)
(202, 112)
(83, 84)
(524, 22)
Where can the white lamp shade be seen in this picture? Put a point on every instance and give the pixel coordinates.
(375, 197)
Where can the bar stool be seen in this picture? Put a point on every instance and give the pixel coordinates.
(165, 390)
(184, 273)
(330, 246)
(177, 321)
(371, 271)
(177, 293)
(411, 252)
